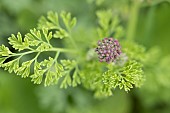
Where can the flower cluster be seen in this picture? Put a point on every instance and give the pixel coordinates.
(108, 50)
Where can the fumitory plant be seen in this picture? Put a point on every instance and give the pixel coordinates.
(52, 54)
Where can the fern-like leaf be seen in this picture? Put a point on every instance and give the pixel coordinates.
(109, 24)
(4, 51)
(17, 42)
(70, 80)
(52, 22)
(127, 76)
(68, 21)
(35, 42)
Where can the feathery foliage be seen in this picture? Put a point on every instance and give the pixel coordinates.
(36, 43)
(101, 78)
(109, 25)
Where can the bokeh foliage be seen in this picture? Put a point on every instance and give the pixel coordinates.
(152, 29)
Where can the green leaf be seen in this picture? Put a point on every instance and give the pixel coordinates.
(51, 78)
(37, 42)
(2, 60)
(37, 77)
(66, 82)
(68, 67)
(110, 25)
(68, 64)
(119, 32)
(51, 70)
(11, 66)
(69, 22)
(35, 38)
(24, 70)
(134, 51)
(120, 85)
(115, 24)
(53, 75)
(128, 84)
(61, 33)
(42, 23)
(47, 35)
(36, 33)
(43, 46)
(103, 21)
(17, 42)
(53, 17)
(76, 79)
(124, 77)
(4, 51)
(51, 22)
(48, 63)
(59, 69)
(73, 22)
(32, 40)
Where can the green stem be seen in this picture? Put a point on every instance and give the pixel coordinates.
(149, 24)
(56, 56)
(52, 49)
(71, 39)
(37, 56)
(21, 54)
(133, 20)
(62, 50)
(55, 60)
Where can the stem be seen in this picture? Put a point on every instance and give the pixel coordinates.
(62, 50)
(72, 41)
(133, 20)
(34, 51)
(55, 60)
(56, 56)
(149, 24)
(37, 55)
(35, 58)
(21, 54)
(30, 49)
(48, 42)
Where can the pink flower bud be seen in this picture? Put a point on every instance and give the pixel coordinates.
(108, 50)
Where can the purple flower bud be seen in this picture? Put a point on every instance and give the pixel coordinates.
(99, 42)
(108, 50)
(101, 60)
(105, 51)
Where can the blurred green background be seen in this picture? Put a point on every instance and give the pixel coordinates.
(152, 29)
